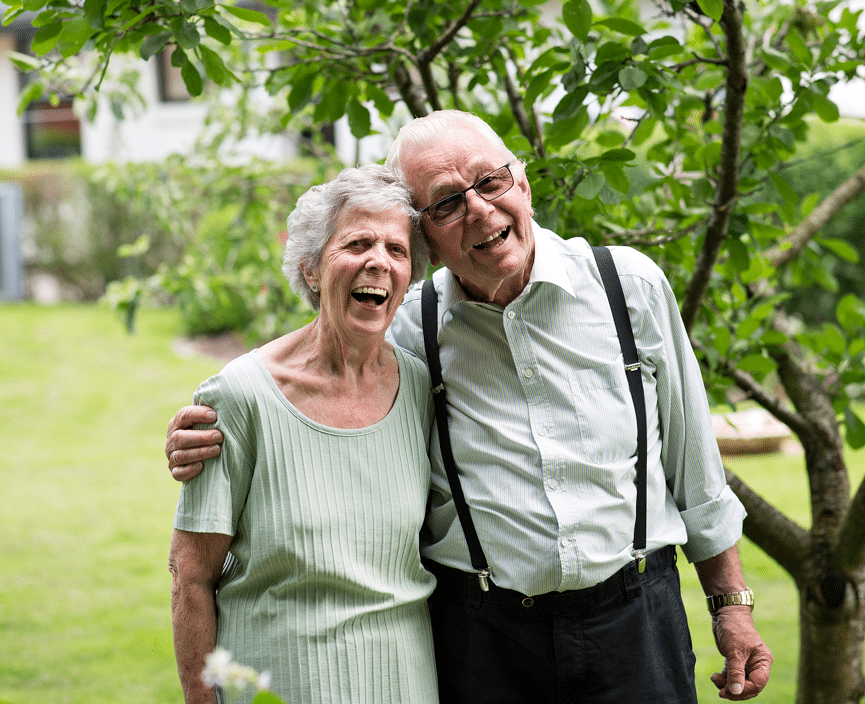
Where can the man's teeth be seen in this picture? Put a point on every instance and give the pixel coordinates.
(494, 236)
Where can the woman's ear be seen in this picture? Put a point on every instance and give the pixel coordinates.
(311, 279)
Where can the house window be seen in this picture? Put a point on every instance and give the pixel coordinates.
(172, 89)
(51, 129)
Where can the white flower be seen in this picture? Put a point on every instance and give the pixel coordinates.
(217, 667)
(221, 671)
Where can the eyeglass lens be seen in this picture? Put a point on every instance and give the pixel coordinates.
(491, 186)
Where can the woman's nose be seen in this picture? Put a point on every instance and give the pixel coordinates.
(378, 258)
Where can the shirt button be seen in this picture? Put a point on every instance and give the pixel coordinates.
(553, 484)
(528, 373)
(565, 542)
(542, 432)
(511, 314)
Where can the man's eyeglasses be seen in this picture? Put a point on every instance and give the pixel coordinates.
(494, 184)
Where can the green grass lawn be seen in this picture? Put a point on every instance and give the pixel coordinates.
(88, 503)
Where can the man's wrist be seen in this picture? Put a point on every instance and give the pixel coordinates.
(719, 601)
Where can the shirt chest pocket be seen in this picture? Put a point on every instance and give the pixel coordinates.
(605, 415)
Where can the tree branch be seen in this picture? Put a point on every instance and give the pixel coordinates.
(795, 242)
(784, 540)
(757, 393)
(851, 537)
(728, 180)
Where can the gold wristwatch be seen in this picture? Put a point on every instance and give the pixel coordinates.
(745, 598)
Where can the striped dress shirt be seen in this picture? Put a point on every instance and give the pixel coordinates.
(544, 430)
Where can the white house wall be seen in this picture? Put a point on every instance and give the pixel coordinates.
(11, 126)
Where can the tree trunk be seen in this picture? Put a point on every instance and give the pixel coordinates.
(830, 648)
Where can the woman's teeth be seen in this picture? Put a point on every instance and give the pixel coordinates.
(379, 295)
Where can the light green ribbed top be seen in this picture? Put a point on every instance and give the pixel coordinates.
(323, 586)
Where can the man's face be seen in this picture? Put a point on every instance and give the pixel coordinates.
(491, 248)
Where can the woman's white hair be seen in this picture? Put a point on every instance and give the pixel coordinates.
(436, 127)
(312, 223)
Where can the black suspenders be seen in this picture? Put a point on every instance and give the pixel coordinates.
(613, 288)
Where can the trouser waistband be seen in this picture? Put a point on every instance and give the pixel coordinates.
(625, 582)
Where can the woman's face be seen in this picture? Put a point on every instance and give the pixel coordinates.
(364, 274)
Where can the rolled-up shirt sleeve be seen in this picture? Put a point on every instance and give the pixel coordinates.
(710, 511)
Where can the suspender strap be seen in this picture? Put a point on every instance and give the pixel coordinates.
(616, 297)
(429, 317)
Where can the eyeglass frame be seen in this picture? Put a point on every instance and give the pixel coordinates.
(465, 200)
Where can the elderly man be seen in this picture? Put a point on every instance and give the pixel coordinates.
(543, 431)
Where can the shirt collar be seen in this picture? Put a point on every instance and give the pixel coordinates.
(548, 268)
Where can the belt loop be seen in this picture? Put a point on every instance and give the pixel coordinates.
(631, 581)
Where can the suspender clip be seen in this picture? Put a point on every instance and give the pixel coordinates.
(640, 558)
(632, 367)
(438, 389)
(484, 579)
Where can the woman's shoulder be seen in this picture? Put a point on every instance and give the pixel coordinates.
(239, 381)
(413, 364)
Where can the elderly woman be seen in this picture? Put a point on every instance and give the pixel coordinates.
(298, 549)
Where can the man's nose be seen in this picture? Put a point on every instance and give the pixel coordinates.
(476, 206)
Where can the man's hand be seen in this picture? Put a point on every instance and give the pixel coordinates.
(747, 659)
(187, 449)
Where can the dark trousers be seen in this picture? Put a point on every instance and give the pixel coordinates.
(624, 641)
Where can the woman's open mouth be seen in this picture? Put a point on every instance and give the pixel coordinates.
(369, 294)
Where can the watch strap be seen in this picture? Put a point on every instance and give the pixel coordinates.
(745, 598)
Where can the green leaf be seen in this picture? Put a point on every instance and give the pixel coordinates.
(618, 155)
(217, 31)
(266, 698)
(834, 338)
(153, 44)
(567, 130)
(25, 62)
(358, 119)
(577, 15)
(631, 78)
(192, 79)
(301, 90)
(28, 95)
(841, 248)
(185, 34)
(46, 37)
(622, 26)
(721, 339)
(247, 15)
(73, 36)
(851, 313)
(826, 110)
(855, 429)
(192, 7)
(213, 65)
(783, 188)
(591, 185)
(712, 8)
(800, 48)
(756, 364)
(664, 47)
(616, 176)
(94, 11)
(11, 13)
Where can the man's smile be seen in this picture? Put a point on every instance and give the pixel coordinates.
(494, 239)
